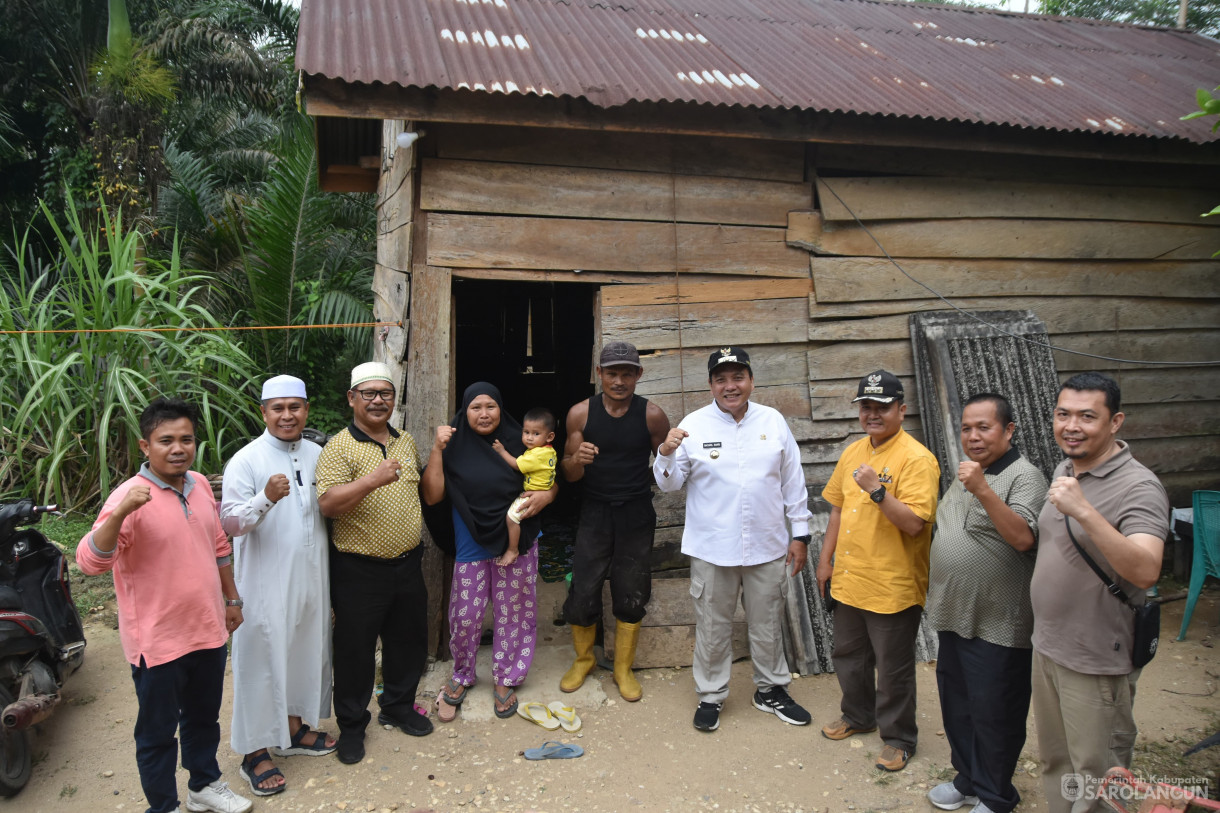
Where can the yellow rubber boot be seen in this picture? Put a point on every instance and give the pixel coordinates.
(625, 638)
(582, 642)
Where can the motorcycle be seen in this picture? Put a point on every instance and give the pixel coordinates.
(41, 637)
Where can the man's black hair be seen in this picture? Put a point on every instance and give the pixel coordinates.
(1097, 382)
(1003, 409)
(166, 409)
(543, 416)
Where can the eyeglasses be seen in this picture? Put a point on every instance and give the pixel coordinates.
(370, 395)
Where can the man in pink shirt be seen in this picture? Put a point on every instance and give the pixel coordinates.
(160, 534)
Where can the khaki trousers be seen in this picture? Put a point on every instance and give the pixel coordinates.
(1085, 727)
(715, 590)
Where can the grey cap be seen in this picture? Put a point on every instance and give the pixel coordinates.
(619, 353)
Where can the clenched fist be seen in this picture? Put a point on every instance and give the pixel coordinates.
(673, 440)
(277, 488)
(443, 433)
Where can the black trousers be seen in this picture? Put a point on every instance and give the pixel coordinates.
(613, 540)
(984, 702)
(377, 598)
(183, 697)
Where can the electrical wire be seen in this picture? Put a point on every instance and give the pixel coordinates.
(198, 329)
(1025, 339)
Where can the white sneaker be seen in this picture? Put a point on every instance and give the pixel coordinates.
(981, 808)
(946, 796)
(217, 797)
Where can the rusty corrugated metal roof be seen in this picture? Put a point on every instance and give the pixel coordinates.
(861, 56)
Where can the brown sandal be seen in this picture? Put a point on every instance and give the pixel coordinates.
(445, 712)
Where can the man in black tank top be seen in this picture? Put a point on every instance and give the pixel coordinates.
(611, 438)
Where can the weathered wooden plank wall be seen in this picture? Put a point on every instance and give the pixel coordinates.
(1113, 270)
(700, 242)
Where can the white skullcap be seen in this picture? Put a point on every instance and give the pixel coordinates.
(370, 371)
(284, 386)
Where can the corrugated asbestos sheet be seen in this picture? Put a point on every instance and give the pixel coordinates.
(861, 56)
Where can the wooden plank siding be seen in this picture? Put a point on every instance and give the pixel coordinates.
(638, 152)
(1116, 271)
(603, 194)
(923, 198)
(868, 279)
(1003, 238)
(488, 241)
(696, 242)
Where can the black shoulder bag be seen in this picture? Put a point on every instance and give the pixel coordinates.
(1147, 617)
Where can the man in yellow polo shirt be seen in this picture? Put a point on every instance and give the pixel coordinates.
(883, 492)
(368, 483)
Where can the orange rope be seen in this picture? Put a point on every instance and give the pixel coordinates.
(201, 329)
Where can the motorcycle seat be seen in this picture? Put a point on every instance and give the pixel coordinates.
(10, 599)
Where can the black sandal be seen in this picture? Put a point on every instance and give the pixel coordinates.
(511, 709)
(319, 748)
(256, 779)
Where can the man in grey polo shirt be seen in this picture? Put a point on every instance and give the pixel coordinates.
(978, 602)
(1083, 679)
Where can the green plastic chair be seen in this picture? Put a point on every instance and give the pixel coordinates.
(1207, 549)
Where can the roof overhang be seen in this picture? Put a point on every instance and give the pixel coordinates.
(348, 149)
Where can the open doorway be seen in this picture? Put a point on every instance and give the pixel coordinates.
(534, 341)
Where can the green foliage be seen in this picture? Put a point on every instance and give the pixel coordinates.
(195, 139)
(1202, 16)
(136, 76)
(1209, 105)
(73, 399)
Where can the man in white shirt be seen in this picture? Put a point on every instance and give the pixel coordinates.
(747, 520)
(281, 656)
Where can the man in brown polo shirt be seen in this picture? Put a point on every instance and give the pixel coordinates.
(368, 482)
(1083, 679)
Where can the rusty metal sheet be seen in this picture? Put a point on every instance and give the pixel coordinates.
(860, 56)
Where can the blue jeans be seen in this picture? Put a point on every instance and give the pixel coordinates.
(184, 696)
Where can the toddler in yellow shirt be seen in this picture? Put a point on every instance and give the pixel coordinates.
(538, 466)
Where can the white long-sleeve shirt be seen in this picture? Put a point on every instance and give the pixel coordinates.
(746, 496)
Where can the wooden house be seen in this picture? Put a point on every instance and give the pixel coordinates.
(686, 174)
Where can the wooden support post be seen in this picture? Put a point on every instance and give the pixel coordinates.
(391, 280)
(427, 406)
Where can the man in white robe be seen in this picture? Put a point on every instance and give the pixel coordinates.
(281, 659)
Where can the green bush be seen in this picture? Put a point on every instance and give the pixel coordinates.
(70, 401)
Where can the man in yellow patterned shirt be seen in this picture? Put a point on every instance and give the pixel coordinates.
(883, 492)
(368, 482)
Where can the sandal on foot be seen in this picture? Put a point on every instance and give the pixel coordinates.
(256, 779)
(318, 748)
(503, 700)
(445, 711)
(453, 692)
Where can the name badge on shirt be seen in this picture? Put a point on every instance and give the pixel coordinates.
(713, 445)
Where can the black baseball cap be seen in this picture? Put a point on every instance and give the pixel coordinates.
(728, 355)
(880, 386)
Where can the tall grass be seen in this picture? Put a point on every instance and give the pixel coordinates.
(70, 402)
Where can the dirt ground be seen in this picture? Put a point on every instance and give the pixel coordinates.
(643, 756)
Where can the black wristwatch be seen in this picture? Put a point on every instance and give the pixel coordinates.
(806, 538)
(877, 495)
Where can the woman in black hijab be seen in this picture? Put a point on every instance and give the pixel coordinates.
(480, 486)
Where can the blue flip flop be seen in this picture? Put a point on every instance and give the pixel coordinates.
(554, 750)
